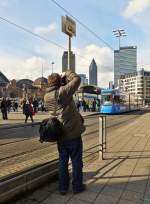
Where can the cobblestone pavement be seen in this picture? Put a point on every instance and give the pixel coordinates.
(122, 178)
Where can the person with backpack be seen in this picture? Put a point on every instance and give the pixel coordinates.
(59, 102)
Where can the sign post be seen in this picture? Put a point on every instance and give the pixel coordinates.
(69, 28)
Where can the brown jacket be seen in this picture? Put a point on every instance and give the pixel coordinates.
(60, 103)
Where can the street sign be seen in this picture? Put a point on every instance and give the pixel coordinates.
(68, 26)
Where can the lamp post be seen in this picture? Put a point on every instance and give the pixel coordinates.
(52, 63)
(118, 34)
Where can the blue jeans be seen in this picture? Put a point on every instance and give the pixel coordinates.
(73, 149)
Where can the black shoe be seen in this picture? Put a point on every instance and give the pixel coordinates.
(83, 188)
(63, 192)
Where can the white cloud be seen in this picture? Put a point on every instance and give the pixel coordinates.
(138, 12)
(135, 7)
(19, 68)
(45, 30)
(31, 67)
(104, 59)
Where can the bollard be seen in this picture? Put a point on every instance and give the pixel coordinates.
(102, 136)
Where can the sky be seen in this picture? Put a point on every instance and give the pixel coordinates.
(23, 55)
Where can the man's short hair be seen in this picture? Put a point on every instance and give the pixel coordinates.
(54, 79)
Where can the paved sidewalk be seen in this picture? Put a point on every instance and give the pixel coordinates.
(122, 178)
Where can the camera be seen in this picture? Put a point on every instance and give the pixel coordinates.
(63, 81)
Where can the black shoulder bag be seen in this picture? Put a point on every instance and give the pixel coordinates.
(51, 129)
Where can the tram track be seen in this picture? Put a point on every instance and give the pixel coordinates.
(89, 134)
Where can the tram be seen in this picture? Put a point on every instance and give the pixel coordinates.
(114, 101)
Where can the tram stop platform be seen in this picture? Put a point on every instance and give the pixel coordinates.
(123, 177)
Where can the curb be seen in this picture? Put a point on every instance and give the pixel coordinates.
(19, 125)
(27, 181)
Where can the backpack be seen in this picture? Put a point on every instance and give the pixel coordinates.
(51, 130)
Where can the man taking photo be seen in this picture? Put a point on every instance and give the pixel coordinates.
(59, 102)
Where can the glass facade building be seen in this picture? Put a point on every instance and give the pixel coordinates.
(125, 61)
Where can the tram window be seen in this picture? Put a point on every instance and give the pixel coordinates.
(117, 99)
(107, 99)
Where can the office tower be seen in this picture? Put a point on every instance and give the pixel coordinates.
(65, 62)
(125, 61)
(93, 73)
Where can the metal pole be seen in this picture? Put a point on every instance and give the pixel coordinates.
(104, 133)
(129, 102)
(102, 136)
(69, 54)
(52, 66)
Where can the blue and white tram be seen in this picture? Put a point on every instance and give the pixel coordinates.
(113, 101)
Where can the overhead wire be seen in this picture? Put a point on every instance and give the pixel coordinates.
(37, 35)
(30, 32)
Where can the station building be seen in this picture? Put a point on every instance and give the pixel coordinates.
(20, 88)
(4, 83)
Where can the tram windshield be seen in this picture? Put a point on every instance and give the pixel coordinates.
(107, 99)
(112, 97)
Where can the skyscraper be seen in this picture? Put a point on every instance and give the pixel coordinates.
(125, 61)
(65, 62)
(93, 73)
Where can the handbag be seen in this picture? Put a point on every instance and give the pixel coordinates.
(51, 129)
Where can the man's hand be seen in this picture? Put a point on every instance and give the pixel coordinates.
(63, 74)
(63, 79)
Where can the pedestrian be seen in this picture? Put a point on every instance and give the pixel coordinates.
(15, 106)
(90, 105)
(84, 105)
(9, 105)
(23, 104)
(98, 105)
(35, 105)
(94, 105)
(28, 111)
(59, 102)
(4, 109)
